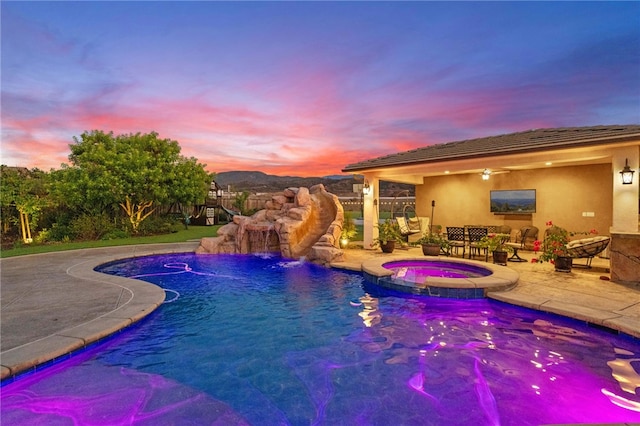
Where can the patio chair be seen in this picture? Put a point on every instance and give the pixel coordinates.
(474, 235)
(587, 248)
(504, 229)
(412, 228)
(455, 235)
(526, 233)
(404, 227)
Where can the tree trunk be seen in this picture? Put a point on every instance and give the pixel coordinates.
(135, 212)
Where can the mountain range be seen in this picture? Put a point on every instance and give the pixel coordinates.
(341, 185)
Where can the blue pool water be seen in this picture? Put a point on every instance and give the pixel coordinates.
(245, 339)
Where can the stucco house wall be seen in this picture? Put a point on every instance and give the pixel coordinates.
(563, 194)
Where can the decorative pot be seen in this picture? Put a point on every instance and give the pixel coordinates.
(388, 246)
(563, 263)
(431, 249)
(500, 257)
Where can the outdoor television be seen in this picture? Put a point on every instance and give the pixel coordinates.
(516, 201)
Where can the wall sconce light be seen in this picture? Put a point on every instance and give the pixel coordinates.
(627, 173)
(486, 174)
(366, 188)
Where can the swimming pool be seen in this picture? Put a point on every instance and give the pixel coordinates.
(247, 339)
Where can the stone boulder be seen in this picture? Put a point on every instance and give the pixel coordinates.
(299, 222)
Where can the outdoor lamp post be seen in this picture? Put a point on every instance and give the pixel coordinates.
(627, 173)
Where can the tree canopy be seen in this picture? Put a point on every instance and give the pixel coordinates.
(135, 171)
(22, 190)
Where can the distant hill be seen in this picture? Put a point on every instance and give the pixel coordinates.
(255, 182)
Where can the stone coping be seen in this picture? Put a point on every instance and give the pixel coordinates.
(501, 277)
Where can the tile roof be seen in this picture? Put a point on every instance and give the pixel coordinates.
(528, 141)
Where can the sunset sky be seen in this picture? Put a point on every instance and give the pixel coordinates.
(305, 88)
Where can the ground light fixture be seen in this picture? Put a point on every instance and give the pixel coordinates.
(627, 173)
(486, 174)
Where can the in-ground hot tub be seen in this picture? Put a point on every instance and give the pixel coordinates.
(440, 277)
(417, 271)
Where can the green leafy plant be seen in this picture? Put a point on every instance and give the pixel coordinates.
(387, 231)
(495, 242)
(434, 238)
(349, 229)
(42, 237)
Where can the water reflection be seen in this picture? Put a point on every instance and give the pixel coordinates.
(370, 314)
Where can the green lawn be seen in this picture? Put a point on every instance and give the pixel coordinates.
(183, 235)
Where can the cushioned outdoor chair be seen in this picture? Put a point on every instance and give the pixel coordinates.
(587, 248)
(504, 229)
(405, 230)
(412, 227)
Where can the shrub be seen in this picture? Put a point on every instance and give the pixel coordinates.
(42, 237)
(60, 232)
(92, 227)
(154, 225)
(349, 230)
(115, 234)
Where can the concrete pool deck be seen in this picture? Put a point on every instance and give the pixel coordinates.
(54, 304)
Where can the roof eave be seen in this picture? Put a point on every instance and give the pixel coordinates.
(356, 167)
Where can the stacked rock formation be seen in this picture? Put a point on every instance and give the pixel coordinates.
(298, 222)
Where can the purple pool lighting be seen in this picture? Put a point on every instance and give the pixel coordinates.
(251, 340)
(418, 270)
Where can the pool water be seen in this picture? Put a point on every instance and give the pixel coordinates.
(245, 339)
(418, 270)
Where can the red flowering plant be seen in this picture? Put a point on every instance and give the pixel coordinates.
(554, 244)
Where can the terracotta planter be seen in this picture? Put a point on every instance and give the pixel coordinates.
(500, 257)
(388, 247)
(431, 249)
(563, 264)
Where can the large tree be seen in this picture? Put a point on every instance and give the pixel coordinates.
(135, 171)
(22, 191)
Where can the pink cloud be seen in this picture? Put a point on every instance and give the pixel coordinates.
(299, 99)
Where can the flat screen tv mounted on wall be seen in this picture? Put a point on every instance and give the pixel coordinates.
(517, 201)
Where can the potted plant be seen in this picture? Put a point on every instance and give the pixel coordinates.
(348, 232)
(554, 248)
(388, 234)
(433, 243)
(496, 244)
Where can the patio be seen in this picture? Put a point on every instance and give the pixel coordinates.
(584, 294)
(574, 177)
